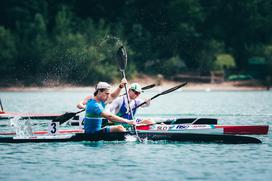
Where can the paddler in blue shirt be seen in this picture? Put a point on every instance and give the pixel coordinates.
(119, 106)
(113, 95)
(95, 110)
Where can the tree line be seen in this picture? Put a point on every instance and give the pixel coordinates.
(75, 41)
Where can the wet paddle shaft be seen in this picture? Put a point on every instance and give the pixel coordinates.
(2, 110)
(122, 62)
(121, 58)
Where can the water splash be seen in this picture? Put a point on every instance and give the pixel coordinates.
(130, 138)
(111, 40)
(23, 128)
(145, 140)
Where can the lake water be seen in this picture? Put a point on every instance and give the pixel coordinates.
(144, 161)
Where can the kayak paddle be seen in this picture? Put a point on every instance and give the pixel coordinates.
(144, 88)
(121, 58)
(148, 86)
(162, 93)
(2, 110)
(66, 116)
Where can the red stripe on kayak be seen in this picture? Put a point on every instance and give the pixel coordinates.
(144, 127)
(61, 131)
(256, 129)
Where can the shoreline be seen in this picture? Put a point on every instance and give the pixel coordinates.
(144, 80)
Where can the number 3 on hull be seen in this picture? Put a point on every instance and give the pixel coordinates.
(53, 128)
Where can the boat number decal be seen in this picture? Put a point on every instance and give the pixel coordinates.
(162, 128)
(172, 127)
(53, 128)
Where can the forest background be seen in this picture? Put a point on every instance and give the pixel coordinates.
(75, 41)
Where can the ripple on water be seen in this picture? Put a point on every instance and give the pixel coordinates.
(151, 160)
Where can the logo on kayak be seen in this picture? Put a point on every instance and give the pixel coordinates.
(181, 126)
(171, 127)
(201, 126)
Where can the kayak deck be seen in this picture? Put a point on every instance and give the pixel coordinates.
(209, 128)
(179, 137)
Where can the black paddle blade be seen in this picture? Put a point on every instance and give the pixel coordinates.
(169, 90)
(148, 86)
(121, 58)
(65, 117)
(173, 88)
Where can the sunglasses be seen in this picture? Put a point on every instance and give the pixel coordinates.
(135, 92)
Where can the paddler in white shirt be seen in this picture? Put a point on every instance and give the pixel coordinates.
(119, 106)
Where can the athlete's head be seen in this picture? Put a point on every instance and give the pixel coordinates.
(135, 90)
(102, 90)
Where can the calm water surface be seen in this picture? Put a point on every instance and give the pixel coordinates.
(151, 160)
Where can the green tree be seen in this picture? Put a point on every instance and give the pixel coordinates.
(268, 56)
(7, 54)
(224, 61)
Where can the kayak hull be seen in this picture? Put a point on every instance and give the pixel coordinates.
(179, 137)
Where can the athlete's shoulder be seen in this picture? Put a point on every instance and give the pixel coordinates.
(118, 99)
(92, 102)
(87, 98)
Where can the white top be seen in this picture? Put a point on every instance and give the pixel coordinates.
(116, 104)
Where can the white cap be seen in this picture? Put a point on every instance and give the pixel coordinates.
(102, 85)
(136, 87)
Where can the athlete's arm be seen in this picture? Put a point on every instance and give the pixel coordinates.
(115, 118)
(147, 102)
(117, 91)
(82, 104)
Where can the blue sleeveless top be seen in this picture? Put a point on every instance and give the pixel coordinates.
(124, 113)
(93, 119)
